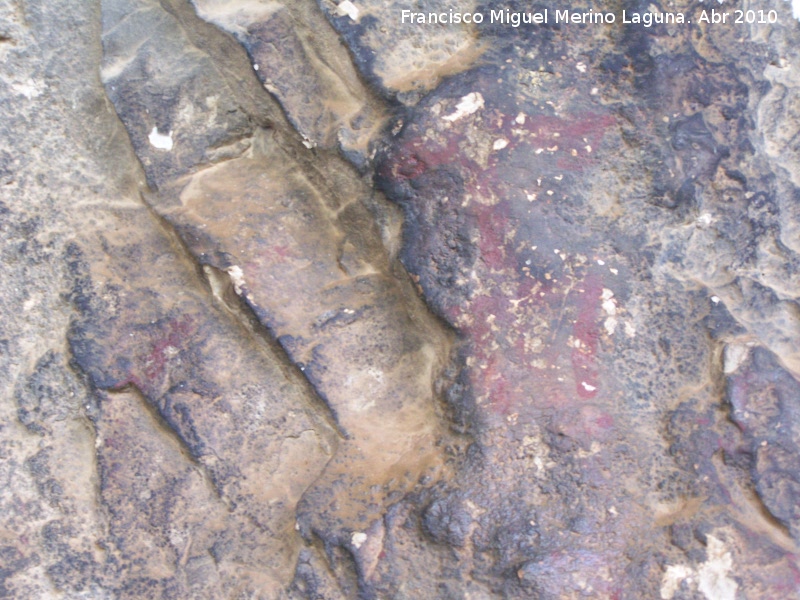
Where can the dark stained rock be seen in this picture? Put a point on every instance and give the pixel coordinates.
(306, 301)
(763, 397)
(188, 407)
(404, 61)
(543, 224)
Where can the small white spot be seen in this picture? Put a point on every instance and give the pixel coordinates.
(237, 278)
(733, 356)
(671, 581)
(613, 271)
(349, 9)
(587, 387)
(595, 91)
(255, 66)
(609, 304)
(520, 120)
(704, 220)
(601, 262)
(32, 89)
(159, 140)
(610, 325)
(715, 299)
(358, 538)
(713, 579)
(500, 144)
(796, 9)
(581, 67)
(468, 105)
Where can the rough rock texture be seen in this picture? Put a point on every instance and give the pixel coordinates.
(298, 57)
(597, 225)
(305, 302)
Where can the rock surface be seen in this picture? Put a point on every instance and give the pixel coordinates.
(303, 301)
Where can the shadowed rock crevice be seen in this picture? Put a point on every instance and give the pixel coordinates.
(295, 232)
(222, 285)
(299, 58)
(225, 420)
